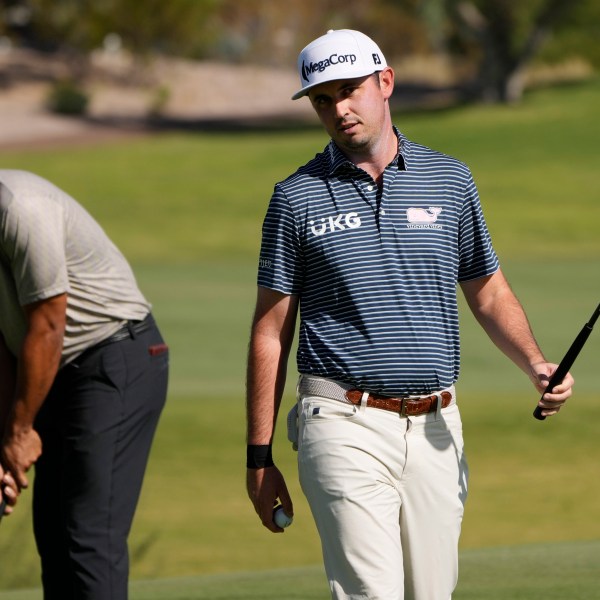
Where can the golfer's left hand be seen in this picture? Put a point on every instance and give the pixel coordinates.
(20, 451)
(264, 487)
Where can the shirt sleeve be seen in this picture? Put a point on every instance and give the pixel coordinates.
(477, 257)
(280, 265)
(33, 243)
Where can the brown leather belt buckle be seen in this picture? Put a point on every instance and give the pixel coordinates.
(412, 407)
(406, 407)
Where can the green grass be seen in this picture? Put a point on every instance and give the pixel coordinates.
(529, 572)
(187, 209)
(206, 309)
(530, 481)
(180, 197)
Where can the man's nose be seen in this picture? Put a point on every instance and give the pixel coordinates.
(341, 108)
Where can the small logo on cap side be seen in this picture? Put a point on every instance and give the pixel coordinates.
(376, 59)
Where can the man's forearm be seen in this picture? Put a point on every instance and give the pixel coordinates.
(270, 342)
(508, 327)
(501, 315)
(38, 360)
(267, 366)
(37, 367)
(8, 370)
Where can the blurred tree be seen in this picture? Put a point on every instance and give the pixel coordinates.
(266, 31)
(505, 36)
(500, 38)
(15, 18)
(273, 32)
(176, 26)
(577, 37)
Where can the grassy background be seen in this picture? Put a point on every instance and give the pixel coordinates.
(187, 210)
(519, 573)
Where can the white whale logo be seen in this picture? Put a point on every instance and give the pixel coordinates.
(423, 216)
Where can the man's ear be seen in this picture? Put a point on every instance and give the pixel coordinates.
(386, 82)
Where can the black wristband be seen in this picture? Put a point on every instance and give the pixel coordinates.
(259, 457)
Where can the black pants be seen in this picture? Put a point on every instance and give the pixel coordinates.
(97, 426)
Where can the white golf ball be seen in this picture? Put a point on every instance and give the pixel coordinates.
(281, 519)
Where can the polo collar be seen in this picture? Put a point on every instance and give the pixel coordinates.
(337, 161)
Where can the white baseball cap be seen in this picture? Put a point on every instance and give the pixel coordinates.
(339, 54)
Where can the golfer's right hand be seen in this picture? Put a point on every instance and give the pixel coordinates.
(265, 486)
(553, 401)
(20, 450)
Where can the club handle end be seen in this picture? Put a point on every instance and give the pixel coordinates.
(537, 413)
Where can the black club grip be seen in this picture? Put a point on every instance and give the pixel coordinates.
(567, 362)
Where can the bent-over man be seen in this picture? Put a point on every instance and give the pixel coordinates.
(84, 379)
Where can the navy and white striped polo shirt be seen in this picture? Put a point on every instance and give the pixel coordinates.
(376, 272)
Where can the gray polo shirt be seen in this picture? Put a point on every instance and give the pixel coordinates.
(50, 245)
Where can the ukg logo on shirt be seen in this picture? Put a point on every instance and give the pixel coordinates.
(334, 59)
(333, 224)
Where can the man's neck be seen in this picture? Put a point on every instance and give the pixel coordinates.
(378, 158)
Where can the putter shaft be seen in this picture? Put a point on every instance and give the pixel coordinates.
(567, 362)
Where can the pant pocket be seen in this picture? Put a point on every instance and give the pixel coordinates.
(292, 426)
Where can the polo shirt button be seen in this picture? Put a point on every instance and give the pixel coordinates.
(370, 188)
(382, 212)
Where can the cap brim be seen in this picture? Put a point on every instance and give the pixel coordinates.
(304, 91)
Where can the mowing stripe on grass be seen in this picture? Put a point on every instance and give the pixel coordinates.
(568, 571)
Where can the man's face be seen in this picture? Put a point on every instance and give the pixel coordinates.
(353, 111)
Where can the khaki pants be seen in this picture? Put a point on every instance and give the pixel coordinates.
(387, 494)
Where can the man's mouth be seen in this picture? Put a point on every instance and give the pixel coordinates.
(347, 127)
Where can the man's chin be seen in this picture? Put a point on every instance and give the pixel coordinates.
(354, 143)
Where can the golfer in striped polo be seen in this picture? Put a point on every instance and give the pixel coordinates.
(368, 241)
